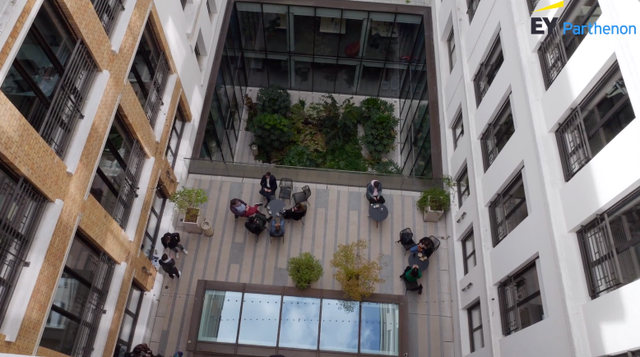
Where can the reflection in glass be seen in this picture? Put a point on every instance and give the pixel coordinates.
(275, 29)
(300, 317)
(303, 73)
(330, 28)
(260, 317)
(220, 316)
(370, 81)
(324, 75)
(339, 326)
(382, 32)
(251, 26)
(278, 67)
(379, 329)
(347, 72)
(303, 31)
(355, 26)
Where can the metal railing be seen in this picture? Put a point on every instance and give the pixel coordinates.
(108, 12)
(574, 144)
(67, 102)
(312, 175)
(553, 56)
(20, 212)
(156, 90)
(129, 188)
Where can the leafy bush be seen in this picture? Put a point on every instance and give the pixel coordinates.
(435, 198)
(379, 134)
(304, 270)
(272, 132)
(347, 157)
(188, 200)
(387, 167)
(357, 275)
(274, 100)
(299, 155)
(371, 107)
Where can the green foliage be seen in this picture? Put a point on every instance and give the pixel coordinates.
(347, 157)
(357, 275)
(299, 155)
(339, 123)
(435, 198)
(274, 100)
(379, 134)
(304, 270)
(371, 107)
(387, 167)
(272, 132)
(187, 198)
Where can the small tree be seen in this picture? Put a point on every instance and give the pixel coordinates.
(304, 270)
(274, 100)
(358, 275)
(188, 200)
(272, 133)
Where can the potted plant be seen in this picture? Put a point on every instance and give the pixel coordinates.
(304, 270)
(432, 203)
(357, 274)
(188, 201)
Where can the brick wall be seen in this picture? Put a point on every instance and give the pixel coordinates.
(41, 166)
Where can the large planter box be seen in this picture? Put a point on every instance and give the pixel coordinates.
(430, 215)
(193, 227)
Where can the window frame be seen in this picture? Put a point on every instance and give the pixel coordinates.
(451, 49)
(472, 329)
(467, 190)
(154, 238)
(472, 7)
(488, 138)
(457, 122)
(174, 152)
(509, 282)
(488, 69)
(135, 316)
(500, 202)
(466, 256)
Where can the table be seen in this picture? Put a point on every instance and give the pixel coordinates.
(378, 212)
(415, 259)
(274, 206)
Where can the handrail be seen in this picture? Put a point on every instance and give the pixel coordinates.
(156, 89)
(108, 11)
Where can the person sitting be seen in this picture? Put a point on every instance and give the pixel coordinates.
(269, 186)
(374, 192)
(425, 246)
(256, 223)
(277, 227)
(242, 209)
(296, 212)
(412, 274)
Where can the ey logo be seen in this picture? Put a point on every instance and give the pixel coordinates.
(536, 22)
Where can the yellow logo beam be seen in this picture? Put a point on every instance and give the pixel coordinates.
(553, 6)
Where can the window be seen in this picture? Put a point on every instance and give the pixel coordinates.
(129, 321)
(115, 184)
(598, 119)
(508, 210)
(451, 46)
(476, 336)
(458, 130)
(532, 4)
(78, 303)
(21, 207)
(497, 135)
(520, 300)
(610, 247)
(153, 224)
(108, 12)
(472, 6)
(463, 187)
(558, 47)
(488, 70)
(468, 252)
(50, 78)
(176, 137)
(149, 73)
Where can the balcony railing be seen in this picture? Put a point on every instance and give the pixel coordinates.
(156, 90)
(128, 190)
(553, 56)
(574, 145)
(66, 106)
(21, 207)
(108, 12)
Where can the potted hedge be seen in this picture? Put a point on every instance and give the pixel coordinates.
(357, 274)
(304, 270)
(433, 203)
(188, 202)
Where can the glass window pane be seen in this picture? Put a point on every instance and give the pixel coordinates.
(127, 327)
(475, 317)
(220, 314)
(134, 299)
(59, 333)
(152, 224)
(531, 312)
(251, 25)
(303, 73)
(71, 295)
(303, 32)
(330, 27)
(355, 28)
(324, 75)
(51, 24)
(478, 341)
(257, 73)
(379, 329)
(278, 67)
(339, 326)
(381, 33)
(370, 81)
(82, 260)
(260, 317)
(347, 70)
(300, 317)
(276, 25)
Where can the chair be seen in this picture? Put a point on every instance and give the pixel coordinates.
(272, 236)
(434, 240)
(406, 239)
(302, 219)
(411, 286)
(302, 196)
(286, 187)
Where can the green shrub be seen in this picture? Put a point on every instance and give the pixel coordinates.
(387, 167)
(299, 155)
(272, 133)
(304, 270)
(435, 198)
(347, 157)
(371, 107)
(379, 135)
(274, 100)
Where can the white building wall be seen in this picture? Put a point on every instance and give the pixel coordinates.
(574, 324)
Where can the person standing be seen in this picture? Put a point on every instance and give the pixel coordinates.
(169, 266)
(374, 192)
(172, 241)
(269, 186)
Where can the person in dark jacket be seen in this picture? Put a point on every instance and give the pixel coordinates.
(257, 223)
(374, 192)
(141, 350)
(169, 266)
(172, 241)
(269, 186)
(296, 212)
(425, 246)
